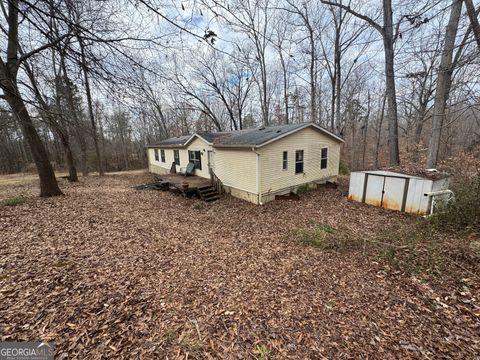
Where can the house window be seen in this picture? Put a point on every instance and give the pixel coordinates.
(155, 151)
(298, 161)
(285, 160)
(176, 157)
(324, 158)
(195, 158)
(162, 155)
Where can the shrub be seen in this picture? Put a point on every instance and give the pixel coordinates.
(303, 188)
(320, 236)
(263, 351)
(464, 213)
(17, 200)
(343, 168)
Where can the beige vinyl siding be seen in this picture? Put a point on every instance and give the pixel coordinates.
(197, 145)
(241, 194)
(158, 167)
(311, 141)
(237, 168)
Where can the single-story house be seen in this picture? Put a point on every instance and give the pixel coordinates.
(254, 164)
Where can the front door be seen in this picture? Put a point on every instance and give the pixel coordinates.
(211, 159)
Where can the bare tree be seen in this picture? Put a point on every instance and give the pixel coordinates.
(252, 18)
(282, 41)
(473, 16)
(443, 83)
(8, 74)
(387, 32)
(304, 13)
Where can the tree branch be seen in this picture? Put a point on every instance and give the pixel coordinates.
(472, 14)
(41, 48)
(348, 9)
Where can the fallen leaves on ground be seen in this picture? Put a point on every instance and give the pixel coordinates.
(109, 272)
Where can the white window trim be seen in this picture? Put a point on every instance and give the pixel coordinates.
(199, 159)
(321, 158)
(286, 168)
(303, 162)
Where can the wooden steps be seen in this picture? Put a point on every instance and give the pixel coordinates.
(208, 193)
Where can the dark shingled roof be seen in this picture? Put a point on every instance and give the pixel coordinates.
(178, 141)
(243, 138)
(213, 137)
(253, 137)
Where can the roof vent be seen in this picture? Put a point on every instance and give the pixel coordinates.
(261, 128)
(279, 131)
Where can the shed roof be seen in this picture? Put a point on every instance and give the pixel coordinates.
(425, 174)
(244, 138)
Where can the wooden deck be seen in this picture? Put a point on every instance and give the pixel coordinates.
(177, 181)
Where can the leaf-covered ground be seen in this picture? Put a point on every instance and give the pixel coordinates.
(110, 272)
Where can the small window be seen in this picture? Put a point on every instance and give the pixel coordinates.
(195, 158)
(162, 155)
(285, 160)
(298, 161)
(324, 158)
(155, 151)
(176, 157)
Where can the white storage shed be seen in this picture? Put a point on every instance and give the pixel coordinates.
(392, 190)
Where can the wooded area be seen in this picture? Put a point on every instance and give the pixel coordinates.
(86, 85)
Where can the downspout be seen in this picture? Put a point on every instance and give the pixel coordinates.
(259, 193)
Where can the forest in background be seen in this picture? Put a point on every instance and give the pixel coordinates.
(88, 84)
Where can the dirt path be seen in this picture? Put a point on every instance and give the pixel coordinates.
(109, 272)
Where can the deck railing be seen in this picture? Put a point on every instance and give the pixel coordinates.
(216, 182)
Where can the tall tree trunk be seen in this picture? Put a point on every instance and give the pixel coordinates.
(472, 14)
(70, 160)
(8, 83)
(90, 107)
(48, 182)
(443, 83)
(332, 103)
(73, 111)
(285, 85)
(379, 131)
(338, 84)
(59, 127)
(390, 84)
(63, 133)
(82, 144)
(386, 30)
(313, 89)
(337, 81)
(365, 131)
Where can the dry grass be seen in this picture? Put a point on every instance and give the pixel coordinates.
(28, 178)
(18, 179)
(109, 272)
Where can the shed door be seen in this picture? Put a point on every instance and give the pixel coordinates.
(373, 193)
(393, 193)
